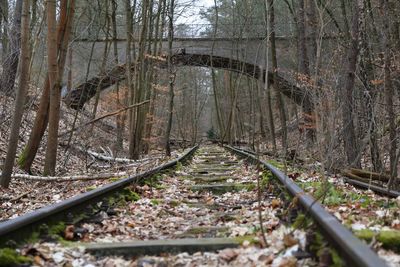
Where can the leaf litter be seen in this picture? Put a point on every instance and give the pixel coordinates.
(172, 209)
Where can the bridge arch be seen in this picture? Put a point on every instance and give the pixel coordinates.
(82, 93)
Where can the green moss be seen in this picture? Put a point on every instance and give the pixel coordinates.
(129, 195)
(246, 187)
(153, 181)
(206, 230)
(174, 203)
(57, 229)
(114, 179)
(276, 164)
(325, 192)
(266, 178)
(198, 230)
(90, 188)
(159, 187)
(389, 238)
(155, 202)
(66, 243)
(251, 238)
(336, 258)
(33, 238)
(179, 166)
(9, 257)
(317, 246)
(301, 221)
(22, 157)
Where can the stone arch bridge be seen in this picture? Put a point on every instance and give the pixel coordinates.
(244, 55)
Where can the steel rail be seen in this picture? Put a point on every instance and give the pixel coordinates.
(21, 228)
(355, 252)
(375, 188)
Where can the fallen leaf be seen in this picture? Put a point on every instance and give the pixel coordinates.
(275, 203)
(289, 240)
(69, 232)
(228, 254)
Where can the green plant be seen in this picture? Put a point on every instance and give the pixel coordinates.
(9, 257)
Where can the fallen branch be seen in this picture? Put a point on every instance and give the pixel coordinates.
(105, 116)
(370, 175)
(100, 176)
(21, 195)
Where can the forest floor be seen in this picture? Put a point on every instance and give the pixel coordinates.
(83, 157)
(186, 204)
(359, 210)
(371, 217)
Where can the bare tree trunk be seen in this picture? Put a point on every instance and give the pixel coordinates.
(106, 26)
(42, 115)
(120, 118)
(171, 77)
(389, 93)
(346, 85)
(54, 107)
(304, 65)
(271, 123)
(4, 19)
(370, 94)
(282, 112)
(129, 32)
(20, 98)
(10, 63)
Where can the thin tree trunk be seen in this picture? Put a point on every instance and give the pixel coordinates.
(129, 32)
(20, 98)
(347, 87)
(389, 93)
(171, 77)
(121, 117)
(282, 112)
(54, 107)
(42, 115)
(10, 63)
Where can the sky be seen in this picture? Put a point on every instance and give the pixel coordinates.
(189, 14)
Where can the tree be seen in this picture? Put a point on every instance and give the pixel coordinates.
(272, 40)
(346, 85)
(55, 72)
(10, 63)
(64, 29)
(171, 77)
(20, 98)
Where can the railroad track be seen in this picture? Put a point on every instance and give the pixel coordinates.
(376, 188)
(210, 205)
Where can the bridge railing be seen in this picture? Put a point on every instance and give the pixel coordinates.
(200, 30)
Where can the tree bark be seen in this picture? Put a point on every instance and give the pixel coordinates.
(20, 98)
(42, 115)
(272, 39)
(171, 77)
(55, 72)
(10, 63)
(346, 84)
(54, 106)
(389, 92)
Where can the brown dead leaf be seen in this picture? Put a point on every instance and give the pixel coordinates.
(228, 254)
(38, 260)
(69, 232)
(288, 262)
(266, 259)
(275, 203)
(289, 240)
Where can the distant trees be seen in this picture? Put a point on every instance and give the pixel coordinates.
(341, 53)
(11, 51)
